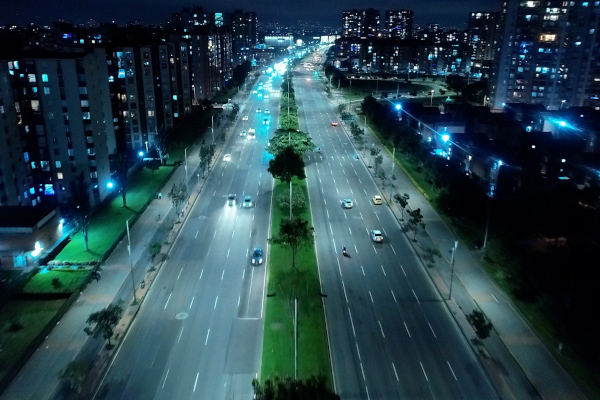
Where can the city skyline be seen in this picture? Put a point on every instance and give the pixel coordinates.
(155, 12)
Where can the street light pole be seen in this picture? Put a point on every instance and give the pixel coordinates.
(212, 127)
(452, 265)
(130, 261)
(186, 169)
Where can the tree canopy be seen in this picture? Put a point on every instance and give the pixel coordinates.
(286, 165)
(299, 141)
(293, 232)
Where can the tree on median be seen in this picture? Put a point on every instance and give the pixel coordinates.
(300, 142)
(178, 195)
(314, 387)
(293, 232)
(286, 165)
(103, 322)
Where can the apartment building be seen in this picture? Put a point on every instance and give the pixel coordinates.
(55, 124)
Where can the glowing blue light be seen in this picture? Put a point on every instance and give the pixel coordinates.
(398, 107)
(562, 123)
(141, 154)
(109, 185)
(445, 138)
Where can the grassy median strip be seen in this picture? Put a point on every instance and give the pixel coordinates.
(284, 285)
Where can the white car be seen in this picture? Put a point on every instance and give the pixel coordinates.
(227, 157)
(377, 199)
(347, 203)
(247, 202)
(243, 133)
(245, 118)
(376, 236)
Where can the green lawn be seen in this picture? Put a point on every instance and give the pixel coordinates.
(32, 317)
(68, 281)
(108, 223)
(284, 285)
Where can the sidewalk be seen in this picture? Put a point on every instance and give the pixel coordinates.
(516, 360)
(38, 379)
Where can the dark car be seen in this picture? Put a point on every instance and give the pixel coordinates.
(257, 256)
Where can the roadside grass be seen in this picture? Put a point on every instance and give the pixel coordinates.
(108, 223)
(284, 285)
(69, 280)
(20, 322)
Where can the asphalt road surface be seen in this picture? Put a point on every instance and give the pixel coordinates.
(198, 334)
(391, 336)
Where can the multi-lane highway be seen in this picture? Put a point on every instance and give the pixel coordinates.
(391, 336)
(198, 334)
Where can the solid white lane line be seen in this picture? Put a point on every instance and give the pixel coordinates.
(395, 372)
(451, 370)
(215, 306)
(494, 297)
(330, 228)
(384, 274)
(394, 296)
(167, 301)
(358, 351)
(222, 274)
(424, 373)
(363, 372)
(394, 250)
(165, 381)
(196, 382)
(353, 331)
(430, 327)
(381, 328)
(179, 338)
(402, 268)
(207, 333)
(345, 294)
(371, 296)
(406, 326)
(363, 270)
(180, 271)
(327, 211)
(418, 302)
(192, 302)
(201, 272)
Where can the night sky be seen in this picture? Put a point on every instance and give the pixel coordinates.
(42, 12)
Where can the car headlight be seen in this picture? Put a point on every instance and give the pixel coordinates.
(260, 260)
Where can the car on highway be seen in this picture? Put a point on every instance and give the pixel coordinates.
(227, 157)
(376, 236)
(377, 199)
(266, 121)
(257, 256)
(266, 97)
(245, 118)
(347, 203)
(258, 110)
(243, 133)
(334, 123)
(251, 134)
(247, 202)
(231, 199)
(267, 111)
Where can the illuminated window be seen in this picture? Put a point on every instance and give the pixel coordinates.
(548, 38)
(59, 176)
(58, 165)
(44, 77)
(46, 90)
(31, 78)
